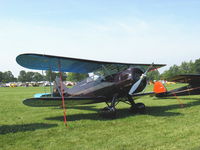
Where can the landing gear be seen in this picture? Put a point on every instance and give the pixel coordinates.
(110, 110)
(137, 107)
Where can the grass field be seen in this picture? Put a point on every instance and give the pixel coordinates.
(165, 125)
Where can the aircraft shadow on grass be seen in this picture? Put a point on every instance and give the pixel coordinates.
(5, 129)
(90, 108)
(159, 111)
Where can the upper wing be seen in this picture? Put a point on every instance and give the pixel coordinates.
(66, 64)
(190, 78)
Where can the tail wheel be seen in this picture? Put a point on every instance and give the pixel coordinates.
(138, 108)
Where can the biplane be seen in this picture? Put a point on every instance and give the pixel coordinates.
(112, 82)
(192, 87)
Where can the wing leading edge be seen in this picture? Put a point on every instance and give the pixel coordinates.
(67, 64)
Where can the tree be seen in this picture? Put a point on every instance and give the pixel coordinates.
(76, 77)
(38, 77)
(184, 68)
(173, 71)
(153, 75)
(187, 67)
(22, 76)
(8, 77)
(197, 66)
(1, 76)
(29, 76)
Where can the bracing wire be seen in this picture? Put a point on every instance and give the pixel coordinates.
(62, 95)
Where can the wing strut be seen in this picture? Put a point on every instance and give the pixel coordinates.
(62, 95)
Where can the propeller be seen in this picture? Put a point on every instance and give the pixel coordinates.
(137, 84)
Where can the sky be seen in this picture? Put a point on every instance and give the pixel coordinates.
(130, 31)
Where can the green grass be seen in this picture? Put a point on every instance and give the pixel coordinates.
(165, 126)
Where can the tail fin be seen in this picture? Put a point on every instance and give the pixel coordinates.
(159, 88)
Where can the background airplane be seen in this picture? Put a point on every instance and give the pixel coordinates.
(193, 87)
(113, 82)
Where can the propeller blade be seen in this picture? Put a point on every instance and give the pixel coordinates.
(137, 84)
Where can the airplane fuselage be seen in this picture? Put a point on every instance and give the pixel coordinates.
(108, 86)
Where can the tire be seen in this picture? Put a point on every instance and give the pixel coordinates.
(108, 112)
(138, 108)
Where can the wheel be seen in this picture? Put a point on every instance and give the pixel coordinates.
(141, 108)
(138, 108)
(108, 112)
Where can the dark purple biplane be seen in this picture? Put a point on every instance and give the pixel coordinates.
(111, 82)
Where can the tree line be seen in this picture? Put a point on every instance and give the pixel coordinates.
(185, 68)
(29, 76)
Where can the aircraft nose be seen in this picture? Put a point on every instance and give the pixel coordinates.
(136, 74)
